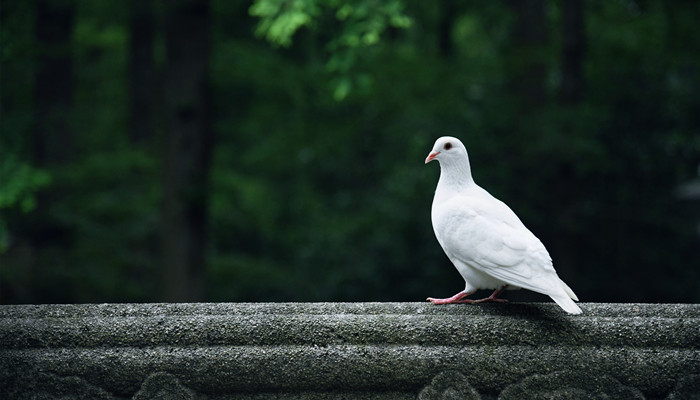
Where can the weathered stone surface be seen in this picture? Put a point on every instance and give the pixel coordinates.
(687, 388)
(163, 386)
(569, 385)
(449, 385)
(344, 350)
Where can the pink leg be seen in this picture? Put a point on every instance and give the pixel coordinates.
(456, 299)
(494, 297)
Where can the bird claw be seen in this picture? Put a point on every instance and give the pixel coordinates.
(459, 298)
(456, 299)
(490, 300)
(439, 301)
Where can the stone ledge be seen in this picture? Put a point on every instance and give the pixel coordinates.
(349, 350)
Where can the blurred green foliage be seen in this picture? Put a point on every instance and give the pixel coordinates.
(18, 184)
(354, 28)
(318, 188)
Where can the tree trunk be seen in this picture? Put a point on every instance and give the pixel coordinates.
(571, 90)
(142, 75)
(448, 13)
(54, 141)
(189, 141)
(527, 58)
(570, 95)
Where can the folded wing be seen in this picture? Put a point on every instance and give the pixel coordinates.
(485, 234)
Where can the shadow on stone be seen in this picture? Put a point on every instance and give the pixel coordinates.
(547, 319)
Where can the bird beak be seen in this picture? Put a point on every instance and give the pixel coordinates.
(431, 156)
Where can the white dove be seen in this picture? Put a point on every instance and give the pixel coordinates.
(484, 239)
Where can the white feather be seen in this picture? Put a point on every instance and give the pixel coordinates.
(482, 236)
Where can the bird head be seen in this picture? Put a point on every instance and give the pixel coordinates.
(447, 149)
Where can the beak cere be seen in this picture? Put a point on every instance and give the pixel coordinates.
(431, 156)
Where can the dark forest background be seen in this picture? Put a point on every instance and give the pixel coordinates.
(273, 150)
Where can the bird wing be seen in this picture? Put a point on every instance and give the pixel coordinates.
(483, 232)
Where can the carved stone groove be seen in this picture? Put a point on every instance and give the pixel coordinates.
(347, 350)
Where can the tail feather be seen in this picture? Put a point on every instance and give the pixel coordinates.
(566, 303)
(568, 290)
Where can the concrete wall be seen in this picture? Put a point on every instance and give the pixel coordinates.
(349, 351)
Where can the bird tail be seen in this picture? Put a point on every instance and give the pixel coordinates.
(568, 290)
(566, 303)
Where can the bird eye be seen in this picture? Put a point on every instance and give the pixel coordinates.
(447, 146)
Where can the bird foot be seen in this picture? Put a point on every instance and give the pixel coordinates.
(459, 298)
(449, 301)
(494, 297)
(490, 300)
